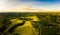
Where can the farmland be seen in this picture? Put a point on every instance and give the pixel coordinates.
(30, 23)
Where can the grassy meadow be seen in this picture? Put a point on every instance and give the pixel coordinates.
(30, 23)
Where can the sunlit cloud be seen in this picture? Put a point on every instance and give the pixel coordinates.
(27, 6)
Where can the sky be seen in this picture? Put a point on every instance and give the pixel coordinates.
(29, 5)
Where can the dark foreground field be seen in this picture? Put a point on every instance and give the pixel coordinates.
(30, 23)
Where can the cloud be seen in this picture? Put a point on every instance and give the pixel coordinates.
(27, 5)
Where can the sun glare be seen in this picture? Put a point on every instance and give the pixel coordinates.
(2, 4)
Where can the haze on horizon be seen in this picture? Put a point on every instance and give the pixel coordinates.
(29, 5)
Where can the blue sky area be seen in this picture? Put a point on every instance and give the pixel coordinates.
(43, 4)
(41, 0)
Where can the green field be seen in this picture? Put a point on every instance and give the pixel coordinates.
(30, 23)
